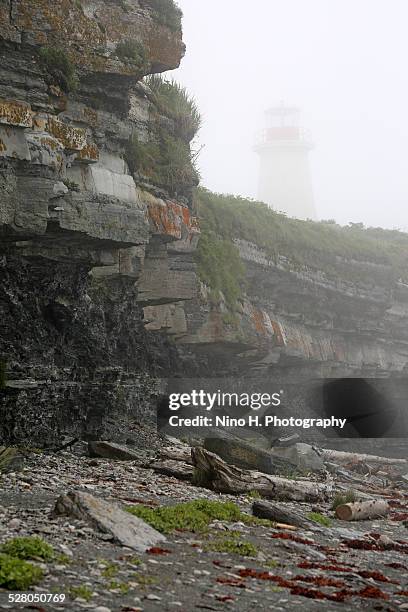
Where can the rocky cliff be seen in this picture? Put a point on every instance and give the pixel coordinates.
(304, 307)
(86, 243)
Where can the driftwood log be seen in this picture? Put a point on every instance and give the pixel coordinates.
(176, 453)
(358, 511)
(171, 467)
(244, 455)
(213, 472)
(280, 513)
(345, 457)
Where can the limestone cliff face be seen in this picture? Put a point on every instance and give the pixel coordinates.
(293, 318)
(296, 329)
(85, 244)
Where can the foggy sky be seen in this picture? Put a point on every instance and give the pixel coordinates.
(342, 61)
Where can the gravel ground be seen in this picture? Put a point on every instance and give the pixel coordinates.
(306, 568)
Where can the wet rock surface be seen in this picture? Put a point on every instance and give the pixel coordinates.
(338, 567)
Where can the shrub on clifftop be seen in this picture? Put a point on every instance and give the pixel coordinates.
(341, 252)
(59, 68)
(166, 12)
(174, 101)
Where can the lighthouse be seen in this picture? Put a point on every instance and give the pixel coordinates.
(285, 181)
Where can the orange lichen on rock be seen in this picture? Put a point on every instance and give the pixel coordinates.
(51, 143)
(71, 138)
(89, 154)
(89, 37)
(15, 113)
(278, 333)
(170, 219)
(91, 116)
(165, 48)
(259, 319)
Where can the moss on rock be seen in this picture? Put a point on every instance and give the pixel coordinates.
(30, 547)
(191, 516)
(16, 574)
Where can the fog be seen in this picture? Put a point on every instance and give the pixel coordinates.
(343, 62)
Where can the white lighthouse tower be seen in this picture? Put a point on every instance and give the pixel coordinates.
(284, 178)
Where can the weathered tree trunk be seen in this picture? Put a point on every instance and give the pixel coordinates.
(280, 513)
(171, 467)
(345, 457)
(214, 473)
(176, 453)
(359, 511)
(243, 455)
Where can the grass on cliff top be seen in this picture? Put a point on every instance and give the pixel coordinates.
(220, 267)
(174, 101)
(166, 12)
(59, 68)
(166, 162)
(322, 245)
(192, 516)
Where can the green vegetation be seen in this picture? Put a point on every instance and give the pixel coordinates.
(254, 495)
(340, 252)
(123, 5)
(271, 563)
(175, 102)
(30, 547)
(145, 581)
(131, 51)
(192, 516)
(110, 570)
(343, 498)
(60, 68)
(3, 374)
(316, 517)
(16, 574)
(81, 591)
(166, 162)
(134, 561)
(166, 12)
(220, 267)
(118, 586)
(71, 185)
(233, 545)
(63, 559)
